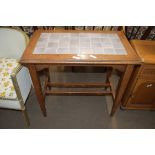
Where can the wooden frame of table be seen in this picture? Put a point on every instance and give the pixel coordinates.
(125, 63)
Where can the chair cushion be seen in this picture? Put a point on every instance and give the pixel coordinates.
(7, 66)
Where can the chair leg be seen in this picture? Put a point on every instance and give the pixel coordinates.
(26, 117)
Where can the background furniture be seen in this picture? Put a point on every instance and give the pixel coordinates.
(15, 82)
(131, 32)
(140, 32)
(141, 89)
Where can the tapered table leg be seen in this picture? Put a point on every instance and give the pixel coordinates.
(37, 87)
(122, 87)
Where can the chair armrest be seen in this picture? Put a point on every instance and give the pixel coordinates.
(22, 82)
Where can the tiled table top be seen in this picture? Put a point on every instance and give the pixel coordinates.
(79, 43)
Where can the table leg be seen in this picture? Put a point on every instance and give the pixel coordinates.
(108, 75)
(37, 87)
(122, 87)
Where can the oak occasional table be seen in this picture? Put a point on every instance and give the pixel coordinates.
(80, 48)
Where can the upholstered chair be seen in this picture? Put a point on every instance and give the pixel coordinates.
(15, 82)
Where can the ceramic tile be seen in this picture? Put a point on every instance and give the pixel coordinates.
(79, 43)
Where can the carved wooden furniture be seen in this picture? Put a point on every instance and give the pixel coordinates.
(15, 82)
(141, 89)
(108, 48)
(139, 32)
